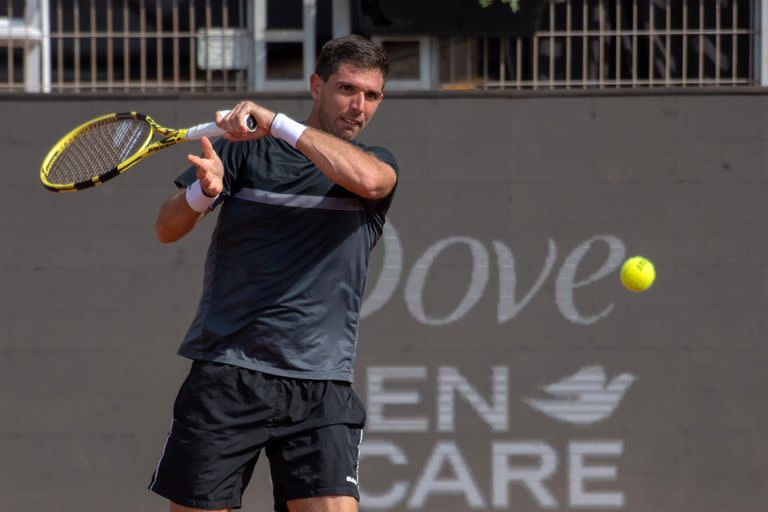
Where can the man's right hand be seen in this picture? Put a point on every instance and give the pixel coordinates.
(234, 122)
(210, 171)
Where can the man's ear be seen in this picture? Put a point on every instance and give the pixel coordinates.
(315, 85)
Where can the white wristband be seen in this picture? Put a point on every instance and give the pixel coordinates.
(196, 199)
(283, 127)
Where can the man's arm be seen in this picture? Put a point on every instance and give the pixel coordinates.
(357, 171)
(176, 217)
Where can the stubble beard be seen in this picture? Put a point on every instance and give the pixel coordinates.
(328, 124)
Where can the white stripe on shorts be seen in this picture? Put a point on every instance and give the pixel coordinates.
(357, 470)
(162, 454)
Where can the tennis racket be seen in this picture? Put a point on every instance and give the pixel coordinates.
(107, 146)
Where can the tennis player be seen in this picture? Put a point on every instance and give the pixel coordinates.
(274, 339)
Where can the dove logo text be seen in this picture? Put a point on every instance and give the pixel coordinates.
(512, 299)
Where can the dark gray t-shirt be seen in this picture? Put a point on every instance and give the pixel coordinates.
(286, 267)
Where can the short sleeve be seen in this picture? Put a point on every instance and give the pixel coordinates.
(385, 156)
(377, 209)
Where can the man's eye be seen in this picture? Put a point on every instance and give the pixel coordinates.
(372, 96)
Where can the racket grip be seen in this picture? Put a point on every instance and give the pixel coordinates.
(211, 130)
(203, 130)
(250, 122)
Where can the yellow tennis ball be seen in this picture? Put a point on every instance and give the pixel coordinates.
(637, 274)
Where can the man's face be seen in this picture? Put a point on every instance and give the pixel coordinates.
(347, 101)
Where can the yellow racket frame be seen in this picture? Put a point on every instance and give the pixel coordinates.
(170, 136)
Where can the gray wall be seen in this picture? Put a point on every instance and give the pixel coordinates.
(498, 276)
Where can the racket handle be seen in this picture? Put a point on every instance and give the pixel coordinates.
(211, 130)
(250, 122)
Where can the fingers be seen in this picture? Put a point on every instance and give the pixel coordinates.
(204, 167)
(208, 150)
(235, 123)
(210, 171)
(239, 119)
(208, 162)
(197, 162)
(231, 122)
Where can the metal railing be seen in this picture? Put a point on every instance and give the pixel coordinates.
(240, 45)
(617, 43)
(27, 46)
(139, 45)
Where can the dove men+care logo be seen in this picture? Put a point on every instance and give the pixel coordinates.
(584, 397)
(421, 457)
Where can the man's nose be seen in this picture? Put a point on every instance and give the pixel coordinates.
(358, 100)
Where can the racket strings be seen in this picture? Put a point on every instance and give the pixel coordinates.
(97, 150)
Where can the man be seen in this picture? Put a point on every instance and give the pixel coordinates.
(275, 335)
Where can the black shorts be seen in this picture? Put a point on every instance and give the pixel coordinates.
(224, 415)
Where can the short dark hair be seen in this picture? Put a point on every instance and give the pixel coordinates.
(355, 50)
